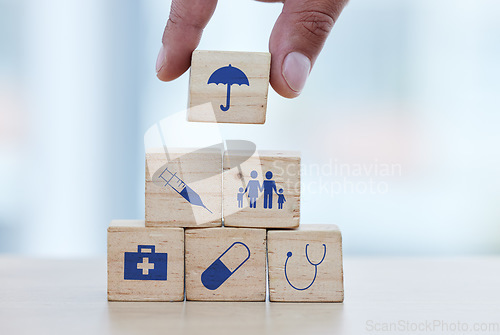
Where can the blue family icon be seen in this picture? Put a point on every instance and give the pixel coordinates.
(254, 188)
(217, 273)
(145, 264)
(281, 199)
(179, 186)
(269, 186)
(289, 254)
(228, 75)
(240, 197)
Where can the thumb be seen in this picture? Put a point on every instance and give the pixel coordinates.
(297, 39)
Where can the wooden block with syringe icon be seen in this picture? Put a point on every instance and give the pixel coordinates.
(183, 187)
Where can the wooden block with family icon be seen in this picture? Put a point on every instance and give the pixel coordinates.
(261, 190)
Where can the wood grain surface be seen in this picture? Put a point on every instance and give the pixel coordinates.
(68, 296)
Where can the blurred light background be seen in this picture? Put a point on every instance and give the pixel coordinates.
(398, 125)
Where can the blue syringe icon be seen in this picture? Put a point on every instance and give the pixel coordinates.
(179, 186)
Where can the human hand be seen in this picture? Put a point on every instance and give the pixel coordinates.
(296, 40)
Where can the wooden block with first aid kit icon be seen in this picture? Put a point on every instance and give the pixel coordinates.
(305, 264)
(261, 189)
(183, 187)
(228, 87)
(225, 264)
(145, 264)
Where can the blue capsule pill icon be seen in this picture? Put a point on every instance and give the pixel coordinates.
(218, 272)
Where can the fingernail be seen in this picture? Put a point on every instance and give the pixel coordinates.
(296, 67)
(160, 61)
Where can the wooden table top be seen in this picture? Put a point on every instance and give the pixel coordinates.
(394, 294)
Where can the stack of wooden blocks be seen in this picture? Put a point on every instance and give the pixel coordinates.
(216, 221)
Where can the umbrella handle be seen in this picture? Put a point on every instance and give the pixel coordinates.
(228, 98)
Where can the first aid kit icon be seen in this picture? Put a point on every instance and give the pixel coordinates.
(145, 264)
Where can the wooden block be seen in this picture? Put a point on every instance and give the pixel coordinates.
(145, 264)
(262, 190)
(225, 264)
(291, 258)
(193, 195)
(229, 87)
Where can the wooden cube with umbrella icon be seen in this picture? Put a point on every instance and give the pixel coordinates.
(228, 87)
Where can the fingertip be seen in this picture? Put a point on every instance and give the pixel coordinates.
(161, 65)
(289, 73)
(296, 41)
(161, 59)
(276, 79)
(165, 75)
(282, 90)
(160, 75)
(295, 70)
(170, 66)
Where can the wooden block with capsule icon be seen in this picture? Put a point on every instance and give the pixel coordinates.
(145, 264)
(225, 264)
(261, 189)
(183, 187)
(228, 87)
(305, 264)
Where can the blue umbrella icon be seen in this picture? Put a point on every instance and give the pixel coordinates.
(228, 75)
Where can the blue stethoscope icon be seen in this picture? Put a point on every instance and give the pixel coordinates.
(289, 254)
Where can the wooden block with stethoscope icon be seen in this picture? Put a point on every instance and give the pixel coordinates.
(225, 264)
(305, 264)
